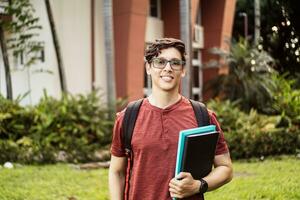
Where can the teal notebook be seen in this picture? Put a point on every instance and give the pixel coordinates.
(181, 142)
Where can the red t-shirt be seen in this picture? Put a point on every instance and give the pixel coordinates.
(154, 146)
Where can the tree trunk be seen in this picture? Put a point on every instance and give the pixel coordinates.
(257, 21)
(57, 47)
(109, 51)
(93, 77)
(9, 91)
(185, 33)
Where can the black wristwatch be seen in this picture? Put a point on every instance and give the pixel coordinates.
(203, 186)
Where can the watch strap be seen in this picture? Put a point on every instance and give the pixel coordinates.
(203, 186)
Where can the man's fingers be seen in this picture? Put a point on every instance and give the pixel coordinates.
(174, 185)
(172, 190)
(175, 194)
(181, 175)
(175, 182)
(181, 188)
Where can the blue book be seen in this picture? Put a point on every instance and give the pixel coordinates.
(196, 150)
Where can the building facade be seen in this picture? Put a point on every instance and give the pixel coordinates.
(80, 26)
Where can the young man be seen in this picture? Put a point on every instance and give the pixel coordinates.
(154, 142)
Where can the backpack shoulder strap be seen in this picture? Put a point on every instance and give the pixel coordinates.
(201, 113)
(128, 123)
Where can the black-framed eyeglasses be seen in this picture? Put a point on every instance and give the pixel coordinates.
(161, 63)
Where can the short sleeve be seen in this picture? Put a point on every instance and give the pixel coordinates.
(117, 144)
(222, 147)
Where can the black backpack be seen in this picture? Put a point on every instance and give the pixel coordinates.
(128, 124)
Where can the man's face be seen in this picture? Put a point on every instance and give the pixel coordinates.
(166, 70)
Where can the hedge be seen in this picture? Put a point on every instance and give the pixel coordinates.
(255, 135)
(71, 129)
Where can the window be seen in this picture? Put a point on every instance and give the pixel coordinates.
(198, 18)
(155, 8)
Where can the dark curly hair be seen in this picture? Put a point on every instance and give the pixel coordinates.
(154, 49)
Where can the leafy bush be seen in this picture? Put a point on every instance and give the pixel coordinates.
(287, 98)
(252, 134)
(15, 120)
(249, 78)
(73, 128)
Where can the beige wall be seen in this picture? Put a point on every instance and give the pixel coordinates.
(72, 19)
(31, 79)
(73, 26)
(100, 64)
(154, 29)
(2, 76)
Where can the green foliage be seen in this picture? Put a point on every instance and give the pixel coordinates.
(280, 33)
(287, 99)
(73, 125)
(23, 28)
(254, 135)
(249, 79)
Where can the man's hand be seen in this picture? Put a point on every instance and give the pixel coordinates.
(183, 185)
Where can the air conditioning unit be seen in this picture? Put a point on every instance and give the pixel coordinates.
(198, 37)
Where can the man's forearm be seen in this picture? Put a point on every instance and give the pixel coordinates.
(116, 185)
(222, 172)
(218, 177)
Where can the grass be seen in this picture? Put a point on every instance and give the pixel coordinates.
(273, 179)
(52, 182)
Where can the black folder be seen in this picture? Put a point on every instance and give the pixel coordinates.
(198, 154)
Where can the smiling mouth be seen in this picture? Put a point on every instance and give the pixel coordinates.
(167, 78)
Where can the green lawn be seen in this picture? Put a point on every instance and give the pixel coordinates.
(52, 182)
(274, 179)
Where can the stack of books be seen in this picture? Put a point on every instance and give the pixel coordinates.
(196, 151)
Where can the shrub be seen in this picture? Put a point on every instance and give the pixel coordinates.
(76, 126)
(249, 77)
(252, 134)
(15, 120)
(287, 98)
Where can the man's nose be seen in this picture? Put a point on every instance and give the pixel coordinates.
(168, 67)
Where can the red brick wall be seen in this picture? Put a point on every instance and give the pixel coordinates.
(171, 18)
(129, 34)
(217, 19)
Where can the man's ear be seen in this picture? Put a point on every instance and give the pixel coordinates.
(147, 66)
(183, 72)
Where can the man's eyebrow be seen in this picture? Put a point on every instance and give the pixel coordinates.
(170, 59)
